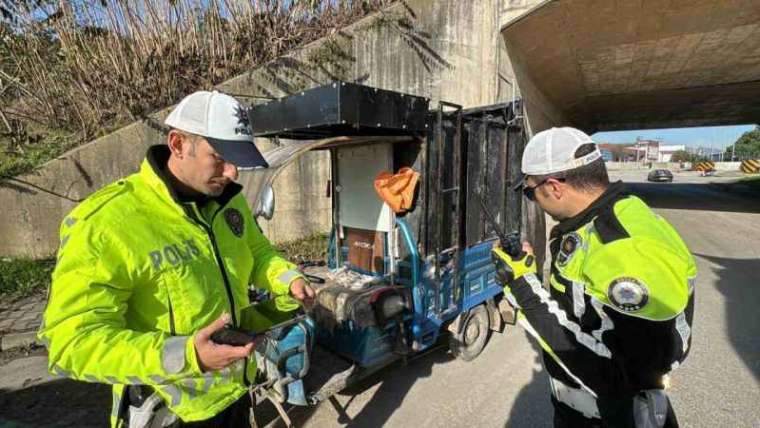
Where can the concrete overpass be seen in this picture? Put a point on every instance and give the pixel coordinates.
(599, 65)
(634, 64)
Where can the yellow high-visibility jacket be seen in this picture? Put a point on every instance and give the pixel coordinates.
(139, 272)
(618, 313)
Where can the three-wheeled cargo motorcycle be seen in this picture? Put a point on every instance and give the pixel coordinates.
(394, 283)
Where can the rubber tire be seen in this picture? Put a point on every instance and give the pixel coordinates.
(474, 336)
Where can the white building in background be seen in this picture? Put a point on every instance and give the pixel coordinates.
(650, 151)
(666, 152)
(645, 150)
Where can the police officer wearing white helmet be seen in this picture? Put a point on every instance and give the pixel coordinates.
(150, 267)
(616, 318)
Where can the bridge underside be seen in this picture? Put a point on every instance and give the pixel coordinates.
(636, 64)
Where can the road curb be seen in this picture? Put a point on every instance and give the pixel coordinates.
(18, 340)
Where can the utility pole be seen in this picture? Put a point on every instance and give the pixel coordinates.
(637, 152)
(733, 151)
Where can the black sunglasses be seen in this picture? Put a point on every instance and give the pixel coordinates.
(530, 191)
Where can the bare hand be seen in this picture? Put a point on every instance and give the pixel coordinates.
(302, 291)
(213, 356)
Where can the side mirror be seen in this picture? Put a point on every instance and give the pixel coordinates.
(265, 207)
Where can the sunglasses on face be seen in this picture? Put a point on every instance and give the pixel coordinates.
(530, 191)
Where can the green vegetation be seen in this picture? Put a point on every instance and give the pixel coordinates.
(21, 277)
(75, 70)
(684, 156)
(747, 146)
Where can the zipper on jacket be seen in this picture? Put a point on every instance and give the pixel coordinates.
(172, 330)
(246, 382)
(209, 231)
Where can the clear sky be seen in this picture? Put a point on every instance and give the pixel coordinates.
(715, 136)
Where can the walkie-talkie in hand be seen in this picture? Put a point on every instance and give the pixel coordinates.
(229, 335)
(235, 336)
(510, 242)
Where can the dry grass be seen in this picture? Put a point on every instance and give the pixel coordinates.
(309, 249)
(83, 68)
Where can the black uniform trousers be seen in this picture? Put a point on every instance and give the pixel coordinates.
(617, 413)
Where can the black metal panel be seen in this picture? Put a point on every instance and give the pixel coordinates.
(473, 220)
(434, 181)
(516, 140)
(340, 109)
(496, 171)
(443, 209)
(427, 189)
(410, 154)
(494, 149)
(315, 107)
(441, 204)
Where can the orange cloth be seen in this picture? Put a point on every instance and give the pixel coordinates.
(397, 190)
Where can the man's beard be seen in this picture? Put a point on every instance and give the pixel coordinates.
(215, 192)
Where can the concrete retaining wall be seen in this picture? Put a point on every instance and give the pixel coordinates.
(727, 166)
(673, 166)
(34, 204)
(615, 166)
(626, 166)
(442, 49)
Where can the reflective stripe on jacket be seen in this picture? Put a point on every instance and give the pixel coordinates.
(140, 271)
(617, 315)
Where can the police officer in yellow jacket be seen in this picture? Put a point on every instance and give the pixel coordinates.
(616, 317)
(150, 266)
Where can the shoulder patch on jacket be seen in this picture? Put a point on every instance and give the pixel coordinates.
(570, 243)
(609, 227)
(628, 294)
(235, 221)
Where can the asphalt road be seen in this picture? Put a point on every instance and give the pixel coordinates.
(719, 385)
